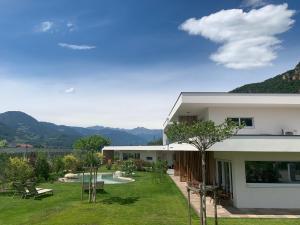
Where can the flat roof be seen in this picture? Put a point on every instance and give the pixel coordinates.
(194, 100)
(136, 148)
(239, 143)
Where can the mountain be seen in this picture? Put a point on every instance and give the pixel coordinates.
(18, 127)
(145, 134)
(288, 82)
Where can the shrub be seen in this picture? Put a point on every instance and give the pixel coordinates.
(141, 164)
(42, 167)
(109, 164)
(4, 160)
(19, 170)
(71, 162)
(128, 167)
(57, 165)
(160, 166)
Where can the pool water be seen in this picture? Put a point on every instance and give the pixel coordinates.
(108, 178)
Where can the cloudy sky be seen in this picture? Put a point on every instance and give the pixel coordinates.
(123, 63)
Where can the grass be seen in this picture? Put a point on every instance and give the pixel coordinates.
(147, 201)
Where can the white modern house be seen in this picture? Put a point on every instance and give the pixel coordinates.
(147, 153)
(260, 166)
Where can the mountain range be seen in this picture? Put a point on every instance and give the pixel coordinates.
(18, 127)
(288, 82)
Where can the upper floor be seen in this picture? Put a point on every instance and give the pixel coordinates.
(262, 114)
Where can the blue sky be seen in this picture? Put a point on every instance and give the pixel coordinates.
(123, 63)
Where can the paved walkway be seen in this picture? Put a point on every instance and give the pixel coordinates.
(229, 211)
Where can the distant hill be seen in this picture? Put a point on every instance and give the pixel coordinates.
(288, 82)
(18, 127)
(142, 132)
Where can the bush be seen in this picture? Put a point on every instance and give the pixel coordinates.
(42, 167)
(19, 170)
(4, 160)
(159, 170)
(109, 164)
(57, 165)
(128, 167)
(71, 163)
(160, 166)
(141, 164)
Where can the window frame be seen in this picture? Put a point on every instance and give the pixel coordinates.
(243, 117)
(272, 184)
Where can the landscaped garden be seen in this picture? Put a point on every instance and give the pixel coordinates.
(152, 199)
(148, 200)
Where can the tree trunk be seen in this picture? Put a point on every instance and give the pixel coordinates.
(201, 205)
(215, 200)
(90, 184)
(189, 206)
(203, 186)
(215, 206)
(82, 186)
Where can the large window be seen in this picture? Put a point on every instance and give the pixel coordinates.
(245, 121)
(272, 172)
(127, 156)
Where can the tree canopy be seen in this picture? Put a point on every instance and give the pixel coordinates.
(3, 143)
(93, 143)
(201, 134)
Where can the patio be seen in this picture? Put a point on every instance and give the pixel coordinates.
(227, 211)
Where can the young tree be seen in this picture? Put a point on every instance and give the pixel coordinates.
(19, 170)
(4, 159)
(57, 165)
(70, 162)
(89, 146)
(42, 167)
(3, 143)
(202, 135)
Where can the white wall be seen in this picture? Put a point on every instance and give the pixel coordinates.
(266, 120)
(163, 155)
(143, 155)
(260, 195)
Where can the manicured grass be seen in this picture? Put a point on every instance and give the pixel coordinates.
(147, 201)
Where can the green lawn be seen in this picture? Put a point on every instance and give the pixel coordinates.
(145, 201)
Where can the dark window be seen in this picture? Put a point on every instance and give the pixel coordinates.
(137, 155)
(272, 172)
(246, 121)
(127, 156)
(149, 158)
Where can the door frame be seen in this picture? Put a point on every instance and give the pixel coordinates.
(222, 161)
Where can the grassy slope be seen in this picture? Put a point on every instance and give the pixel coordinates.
(145, 201)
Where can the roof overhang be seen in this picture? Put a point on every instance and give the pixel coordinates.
(240, 143)
(193, 102)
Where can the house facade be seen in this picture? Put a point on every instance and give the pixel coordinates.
(260, 166)
(147, 153)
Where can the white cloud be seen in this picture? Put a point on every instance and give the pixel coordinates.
(248, 39)
(45, 26)
(70, 90)
(253, 3)
(76, 47)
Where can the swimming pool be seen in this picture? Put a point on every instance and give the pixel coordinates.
(108, 178)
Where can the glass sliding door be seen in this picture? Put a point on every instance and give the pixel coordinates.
(224, 175)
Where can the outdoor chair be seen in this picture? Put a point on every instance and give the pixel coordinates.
(20, 190)
(37, 192)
